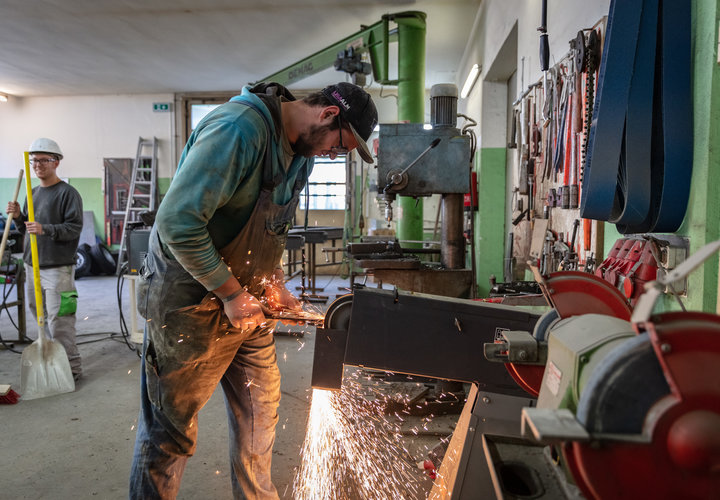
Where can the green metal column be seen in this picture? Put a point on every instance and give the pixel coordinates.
(411, 106)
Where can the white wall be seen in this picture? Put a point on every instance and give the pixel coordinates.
(90, 128)
(496, 18)
(87, 128)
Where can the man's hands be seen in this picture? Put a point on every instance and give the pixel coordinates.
(34, 227)
(13, 208)
(244, 311)
(278, 296)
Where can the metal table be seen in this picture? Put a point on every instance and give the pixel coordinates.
(15, 274)
(311, 237)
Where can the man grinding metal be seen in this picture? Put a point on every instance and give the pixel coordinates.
(214, 264)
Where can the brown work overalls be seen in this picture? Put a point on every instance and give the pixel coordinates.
(190, 346)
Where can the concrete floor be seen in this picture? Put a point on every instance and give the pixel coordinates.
(79, 445)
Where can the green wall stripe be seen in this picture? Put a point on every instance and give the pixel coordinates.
(490, 218)
(90, 188)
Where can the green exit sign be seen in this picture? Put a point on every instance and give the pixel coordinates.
(162, 106)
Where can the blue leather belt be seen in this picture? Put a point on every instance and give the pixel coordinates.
(676, 115)
(606, 129)
(634, 175)
(639, 162)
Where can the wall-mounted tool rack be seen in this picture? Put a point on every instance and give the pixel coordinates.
(550, 126)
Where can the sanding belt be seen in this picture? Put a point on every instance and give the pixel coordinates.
(639, 164)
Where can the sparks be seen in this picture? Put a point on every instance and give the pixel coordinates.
(348, 450)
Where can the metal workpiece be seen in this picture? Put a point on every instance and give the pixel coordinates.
(446, 282)
(418, 334)
(444, 169)
(368, 249)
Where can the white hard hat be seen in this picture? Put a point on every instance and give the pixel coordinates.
(45, 145)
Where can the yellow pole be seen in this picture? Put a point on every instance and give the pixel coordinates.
(34, 253)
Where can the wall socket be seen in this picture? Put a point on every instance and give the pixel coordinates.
(673, 250)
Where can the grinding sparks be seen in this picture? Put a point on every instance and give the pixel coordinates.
(351, 451)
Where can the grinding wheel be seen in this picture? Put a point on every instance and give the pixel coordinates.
(337, 316)
(570, 293)
(622, 389)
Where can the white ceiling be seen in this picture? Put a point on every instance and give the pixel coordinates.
(88, 47)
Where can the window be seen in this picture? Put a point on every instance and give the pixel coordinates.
(326, 185)
(195, 107)
(198, 112)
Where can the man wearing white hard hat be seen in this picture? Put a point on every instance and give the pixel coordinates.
(58, 222)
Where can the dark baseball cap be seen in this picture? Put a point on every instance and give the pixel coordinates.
(358, 110)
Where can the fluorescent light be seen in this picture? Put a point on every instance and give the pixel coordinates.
(470, 80)
(3, 97)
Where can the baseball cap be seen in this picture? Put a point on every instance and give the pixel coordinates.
(358, 110)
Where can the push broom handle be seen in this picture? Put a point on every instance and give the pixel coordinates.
(34, 252)
(9, 219)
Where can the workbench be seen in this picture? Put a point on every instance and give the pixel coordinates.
(14, 275)
(300, 238)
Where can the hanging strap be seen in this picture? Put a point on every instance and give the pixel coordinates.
(632, 205)
(269, 182)
(606, 133)
(677, 122)
(640, 149)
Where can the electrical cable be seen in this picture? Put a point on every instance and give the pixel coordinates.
(123, 325)
(6, 294)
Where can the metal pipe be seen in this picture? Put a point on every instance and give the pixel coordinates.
(452, 249)
(411, 106)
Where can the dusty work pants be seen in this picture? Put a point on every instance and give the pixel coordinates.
(187, 351)
(59, 325)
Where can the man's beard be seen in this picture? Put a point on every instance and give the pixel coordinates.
(307, 141)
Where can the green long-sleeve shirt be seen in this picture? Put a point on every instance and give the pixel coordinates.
(218, 182)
